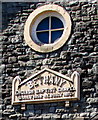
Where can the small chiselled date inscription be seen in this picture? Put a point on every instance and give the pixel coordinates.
(45, 86)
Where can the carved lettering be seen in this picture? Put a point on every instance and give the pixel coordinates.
(54, 80)
(63, 89)
(25, 97)
(30, 85)
(46, 85)
(62, 82)
(47, 80)
(47, 96)
(38, 97)
(24, 92)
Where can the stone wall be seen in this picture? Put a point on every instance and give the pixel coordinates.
(80, 53)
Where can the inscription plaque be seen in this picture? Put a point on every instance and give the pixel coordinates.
(46, 86)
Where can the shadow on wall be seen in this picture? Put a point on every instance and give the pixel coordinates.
(10, 11)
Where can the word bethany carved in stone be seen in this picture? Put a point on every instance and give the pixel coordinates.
(46, 86)
(46, 80)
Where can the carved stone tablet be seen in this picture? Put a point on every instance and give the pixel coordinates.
(46, 86)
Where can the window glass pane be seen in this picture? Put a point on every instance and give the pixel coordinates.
(56, 23)
(44, 24)
(55, 35)
(43, 37)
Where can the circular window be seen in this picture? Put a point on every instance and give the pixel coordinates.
(47, 28)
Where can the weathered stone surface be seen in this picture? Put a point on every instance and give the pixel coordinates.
(80, 51)
(74, 3)
(15, 116)
(36, 56)
(65, 116)
(95, 68)
(8, 112)
(34, 118)
(28, 113)
(87, 83)
(46, 116)
(60, 110)
(86, 114)
(12, 59)
(2, 68)
(9, 106)
(23, 58)
(92, 100)
(31, 63)
(55, 116)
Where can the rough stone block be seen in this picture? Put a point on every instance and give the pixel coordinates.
(65, 116)
(12, 59)
(28, 113)
(74, 3)
(87, 84)
(86, 114)
(23, 58)
(95, 68)
(92, 100)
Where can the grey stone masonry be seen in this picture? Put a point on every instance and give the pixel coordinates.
(79, 53)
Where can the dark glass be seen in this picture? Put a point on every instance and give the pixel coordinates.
(43, 37)
(56, 23)
(43, 25)
(55, 35)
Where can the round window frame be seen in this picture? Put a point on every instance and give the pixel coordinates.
(39, 19)
(33, 17)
